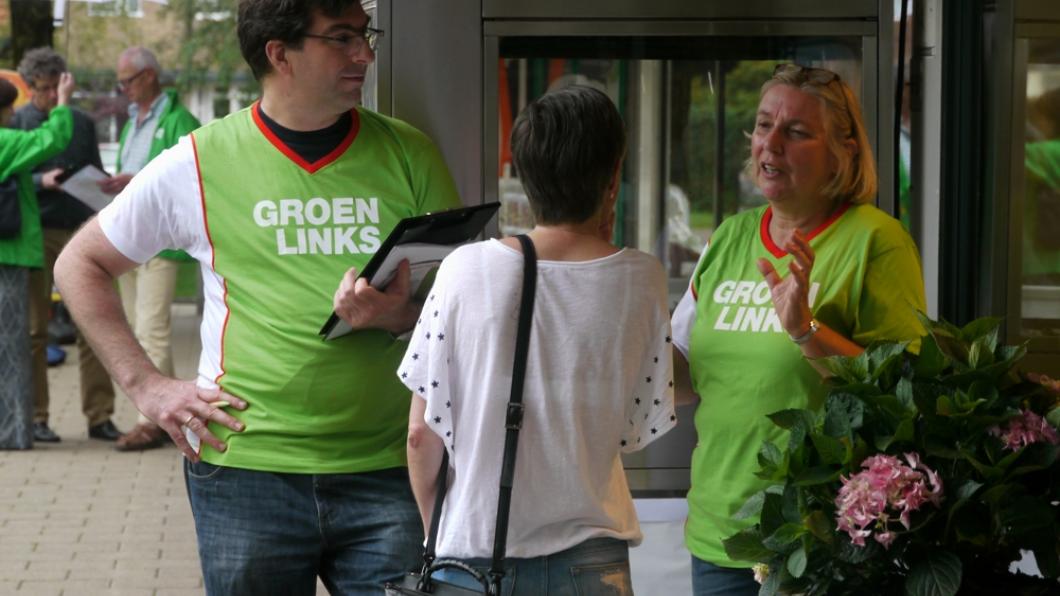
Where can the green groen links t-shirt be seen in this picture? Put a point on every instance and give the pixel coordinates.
(274, 235)
(866, 284)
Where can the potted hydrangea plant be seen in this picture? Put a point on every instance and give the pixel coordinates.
(925, 474)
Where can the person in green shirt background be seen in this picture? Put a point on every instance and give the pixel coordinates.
(22, 248)
(156, 121)
(852, 277)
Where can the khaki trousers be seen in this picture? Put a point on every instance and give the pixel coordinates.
(97, 392)
(147, 297)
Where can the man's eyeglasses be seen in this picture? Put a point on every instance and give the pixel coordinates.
(124, 83)
(351, 43)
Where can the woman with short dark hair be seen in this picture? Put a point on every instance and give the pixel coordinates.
(597, 377)
(22, 247)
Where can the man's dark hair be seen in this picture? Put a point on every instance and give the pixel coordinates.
(285, 20)
(565, 147)
(8, 93)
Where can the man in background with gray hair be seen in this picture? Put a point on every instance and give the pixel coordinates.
(156, 121)
(61, 214)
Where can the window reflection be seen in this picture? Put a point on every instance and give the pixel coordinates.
(687, 104)
(1041, 200)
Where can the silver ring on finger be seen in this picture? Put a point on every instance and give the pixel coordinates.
(189, 419)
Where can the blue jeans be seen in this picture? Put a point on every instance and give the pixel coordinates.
(710, 580)
(596, 567)
(265, 533)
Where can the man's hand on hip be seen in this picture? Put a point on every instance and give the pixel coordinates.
(175, 404)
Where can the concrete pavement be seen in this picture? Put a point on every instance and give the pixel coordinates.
(79, 518)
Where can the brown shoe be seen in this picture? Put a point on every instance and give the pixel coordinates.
(145, 435)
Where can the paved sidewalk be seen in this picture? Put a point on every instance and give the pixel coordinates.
(79, 518)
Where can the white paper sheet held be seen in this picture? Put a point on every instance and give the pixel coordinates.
(84, 187)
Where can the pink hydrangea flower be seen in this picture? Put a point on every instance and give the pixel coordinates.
(1026, 429)
(868, 500)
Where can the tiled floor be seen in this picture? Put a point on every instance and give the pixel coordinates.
(78, 518)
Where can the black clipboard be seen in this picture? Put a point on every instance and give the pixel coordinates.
(438, 233)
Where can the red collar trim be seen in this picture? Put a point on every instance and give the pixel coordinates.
(355, 127)
(778, 252)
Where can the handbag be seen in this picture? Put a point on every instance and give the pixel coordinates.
(10, 208)
(421, 583)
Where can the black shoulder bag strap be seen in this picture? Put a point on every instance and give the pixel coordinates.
(514, 418)
(513, 422)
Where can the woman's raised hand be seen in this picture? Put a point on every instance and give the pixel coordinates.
(66, 88)
(791, 294)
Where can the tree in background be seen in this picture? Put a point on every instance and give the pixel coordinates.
(209, 50)
(31, 27)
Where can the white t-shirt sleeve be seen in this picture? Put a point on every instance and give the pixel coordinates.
(651, 411)
(425, 367)
(684, 317)
(160, 208)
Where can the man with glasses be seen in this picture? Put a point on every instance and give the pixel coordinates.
(61, 214)
(156, 121)
(300, 472)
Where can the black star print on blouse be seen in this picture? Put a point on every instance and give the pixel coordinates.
(434, 384)
(657, 402)
(636, 400)
(437, 419)
(422, 390)
(448, 404)
(654, 431)
(667, 339)
(415, 356)
(672, 418)
(647, 379)
(448, 432)
(436, 313)
(656, 359)
(428, 335)
(404, 375)
(623, 442)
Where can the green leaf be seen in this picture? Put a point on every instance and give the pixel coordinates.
(1036, 457)
(904, 392)
(789, 505)
(966, 490)
(904, 433)
(937, 574)
(830, 449)
(855, 555)
(788, 418)
(931, 361)
(819, 525)
(1053, 417)
(1025, 515)
(769, 458)
(746, 545)
(797, 562)
(983, 329)
(772, 515)
(846, 368)
(816, 475)
(752, 507)
(843, 414)
(944, 405)
(781, 540)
